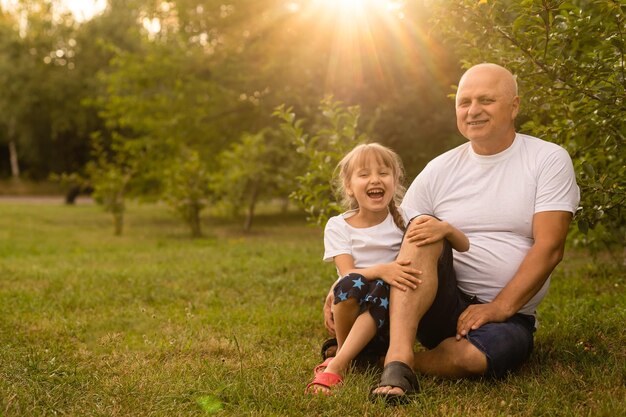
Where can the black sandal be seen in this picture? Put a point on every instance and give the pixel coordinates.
(329, 348)
(398, 375)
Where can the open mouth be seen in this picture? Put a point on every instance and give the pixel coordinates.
(376, 193)
(477, 122)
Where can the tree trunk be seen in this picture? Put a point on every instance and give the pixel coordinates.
(15, 166)
(118, 219)
(72, 194)
(118, 207)
(250, 214)
(194, 221)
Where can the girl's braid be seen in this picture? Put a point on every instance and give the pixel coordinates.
(397, 217)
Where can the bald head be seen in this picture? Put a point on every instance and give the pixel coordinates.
(498, 74)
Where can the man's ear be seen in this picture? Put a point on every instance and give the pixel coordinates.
(515, 107)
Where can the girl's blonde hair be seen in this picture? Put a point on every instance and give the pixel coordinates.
(356, 158)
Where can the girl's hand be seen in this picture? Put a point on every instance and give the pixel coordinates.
(426, 230)
(399, 274)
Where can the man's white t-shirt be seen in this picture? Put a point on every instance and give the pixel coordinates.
(492, 199)
(368, 245)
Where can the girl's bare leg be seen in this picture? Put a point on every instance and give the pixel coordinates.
(363, 330)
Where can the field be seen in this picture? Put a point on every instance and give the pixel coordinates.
(156, 324)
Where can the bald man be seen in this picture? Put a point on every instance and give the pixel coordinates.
(513, 195)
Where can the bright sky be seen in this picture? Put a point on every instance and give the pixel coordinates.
(82, 9)
(85, 9)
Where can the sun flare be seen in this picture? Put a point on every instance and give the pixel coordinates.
(352, 5)
(348, 4)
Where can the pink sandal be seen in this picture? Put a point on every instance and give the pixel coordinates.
(320, 368)
(323, 379)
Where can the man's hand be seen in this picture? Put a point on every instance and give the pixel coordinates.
(476, 315)
(329, 321)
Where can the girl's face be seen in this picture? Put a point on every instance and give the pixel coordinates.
(372, 184)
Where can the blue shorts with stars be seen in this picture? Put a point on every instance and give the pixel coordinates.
(371, 295)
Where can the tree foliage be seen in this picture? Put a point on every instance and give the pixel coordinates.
(259, 166)
(111, 172)
(207, 76)
(569, 57)
(322, 145)
(187, 188)
(165, 97)
(38, 103)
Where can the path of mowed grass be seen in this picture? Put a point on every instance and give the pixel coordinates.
(156, 324)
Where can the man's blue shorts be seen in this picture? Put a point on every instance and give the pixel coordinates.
(506, 345)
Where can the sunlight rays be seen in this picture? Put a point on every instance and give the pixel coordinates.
(364, 34)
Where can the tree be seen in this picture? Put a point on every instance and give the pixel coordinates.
(569, 57)
(187, 188)
(178, 95)
(111, 173)
(334, 134)
(260, 166)
(40, 109)
(162, 99)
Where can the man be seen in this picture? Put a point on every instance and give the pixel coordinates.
(513, 195)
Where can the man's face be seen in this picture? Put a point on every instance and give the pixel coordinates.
(486, 107)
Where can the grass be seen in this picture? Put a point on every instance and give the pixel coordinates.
(26, 187)
(155, 324)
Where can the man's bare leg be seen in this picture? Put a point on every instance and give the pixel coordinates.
(406, 308)
(451, 359)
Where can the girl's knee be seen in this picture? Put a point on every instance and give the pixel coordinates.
(347, 303)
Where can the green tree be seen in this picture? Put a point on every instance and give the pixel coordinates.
(48, 67)
(38, 86)
(322, 145)
(186, 188)
(111, 173)
(259, 166)
(569, 56)
(162, 99)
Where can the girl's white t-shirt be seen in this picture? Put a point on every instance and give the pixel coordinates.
(368, 246)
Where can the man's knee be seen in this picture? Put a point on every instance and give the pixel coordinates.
(421, 256)
(465, 357)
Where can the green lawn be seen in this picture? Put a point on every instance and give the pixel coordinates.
(156, 324)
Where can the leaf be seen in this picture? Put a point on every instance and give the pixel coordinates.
(589, 170)
(210, 404)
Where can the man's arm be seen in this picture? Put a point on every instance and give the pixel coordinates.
(549, 231)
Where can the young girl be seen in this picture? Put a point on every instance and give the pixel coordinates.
(364, 242)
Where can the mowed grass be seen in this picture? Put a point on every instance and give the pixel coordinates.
(156, 324)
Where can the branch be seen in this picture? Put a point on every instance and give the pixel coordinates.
(544, 68)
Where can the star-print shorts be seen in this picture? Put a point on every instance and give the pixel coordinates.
(371, 295)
